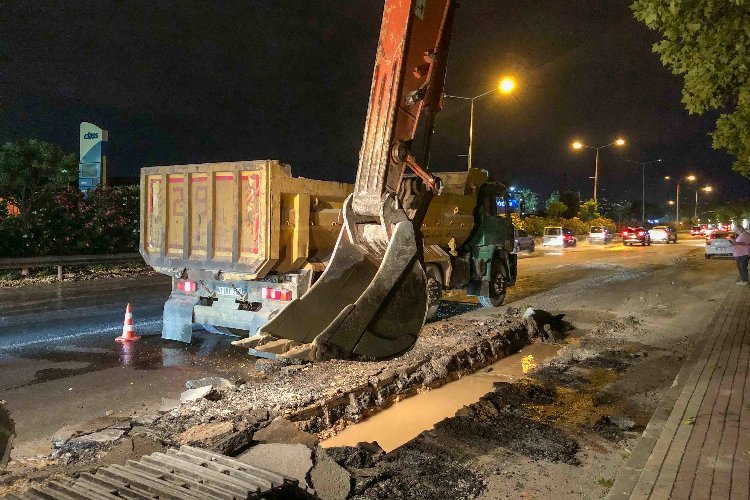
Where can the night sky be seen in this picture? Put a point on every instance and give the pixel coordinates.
(185, 82)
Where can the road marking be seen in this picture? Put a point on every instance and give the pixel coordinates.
(114, 329)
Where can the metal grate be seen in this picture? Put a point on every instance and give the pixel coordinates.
(188, 473)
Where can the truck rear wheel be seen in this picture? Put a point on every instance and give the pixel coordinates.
(498, 287)
(434, 289)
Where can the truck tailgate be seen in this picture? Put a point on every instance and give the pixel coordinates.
(209, 216)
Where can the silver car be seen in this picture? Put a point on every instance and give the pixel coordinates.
(599, 234)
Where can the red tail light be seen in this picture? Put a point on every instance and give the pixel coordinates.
(276, 294)
(624, 233)
(186, 286)
(641, 233)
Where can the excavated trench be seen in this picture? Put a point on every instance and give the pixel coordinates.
(406, 419)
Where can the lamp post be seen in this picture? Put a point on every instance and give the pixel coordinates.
(690, 178)
(706, 189)
(579, 145)
(643, 183)
(507, 86)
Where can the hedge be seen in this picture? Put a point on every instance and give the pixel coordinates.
(534, 225)
(106, 221)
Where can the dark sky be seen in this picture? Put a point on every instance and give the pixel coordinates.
(184, 82)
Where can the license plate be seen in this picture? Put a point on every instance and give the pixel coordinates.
(228, 290)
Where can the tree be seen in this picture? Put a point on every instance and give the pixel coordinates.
(32, 170)
(572, 201)
(588, 211)
(708, 43)
(531, 199)
(556, 209)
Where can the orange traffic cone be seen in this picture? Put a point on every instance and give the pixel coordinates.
(128, 333)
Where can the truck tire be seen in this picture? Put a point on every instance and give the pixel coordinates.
(498, 286)
(434, 288)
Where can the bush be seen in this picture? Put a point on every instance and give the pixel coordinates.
(534, 225)
(67, 223)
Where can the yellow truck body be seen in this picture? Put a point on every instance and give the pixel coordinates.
(243, 239)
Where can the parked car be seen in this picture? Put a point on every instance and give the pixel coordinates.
(523, 242)
(696, 231)
(633, 235)
(720, 244)
(599, 234)
(663, 234)
(558, 236)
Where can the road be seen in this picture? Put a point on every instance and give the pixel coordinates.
(60, 364)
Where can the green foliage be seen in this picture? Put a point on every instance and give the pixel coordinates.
(708, 44)
(32, 170)
(572, 202)
(603, 221)
(555, 196)
(588, 211)
(556, 209)
(535, 225)
(67, 223)
(531, 199)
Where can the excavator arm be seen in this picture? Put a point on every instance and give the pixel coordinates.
(372, 299)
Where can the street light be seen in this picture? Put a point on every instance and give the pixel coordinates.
(579, 145)
(506, 86)
(690, 178)
(705, 189)
(643, 185)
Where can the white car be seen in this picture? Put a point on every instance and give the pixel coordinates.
(599, 234)
(663, 234)
(720, 244)
(558, 236)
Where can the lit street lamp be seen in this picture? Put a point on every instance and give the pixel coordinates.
(507, 86)
(690, 178)
(579, 145)
(643, 185)
(706, 189)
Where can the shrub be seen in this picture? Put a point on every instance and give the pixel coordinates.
(67, 223)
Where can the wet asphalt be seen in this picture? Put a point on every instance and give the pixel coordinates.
(59, 363)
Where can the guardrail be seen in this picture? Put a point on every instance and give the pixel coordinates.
(67, 260)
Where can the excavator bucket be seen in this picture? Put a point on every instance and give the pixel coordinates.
(371, 301)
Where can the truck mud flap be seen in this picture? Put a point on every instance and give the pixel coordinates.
(178, 318)
(371, 301)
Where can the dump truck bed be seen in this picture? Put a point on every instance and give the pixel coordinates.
(241, 219)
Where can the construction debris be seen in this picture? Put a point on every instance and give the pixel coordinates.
(290, 460)
(329, 480)
(195, 394)
(281, 430)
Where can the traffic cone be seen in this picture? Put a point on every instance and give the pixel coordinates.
(128, 333)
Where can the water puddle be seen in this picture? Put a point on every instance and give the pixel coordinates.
(406, 419)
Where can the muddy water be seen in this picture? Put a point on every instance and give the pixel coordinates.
(406, 419)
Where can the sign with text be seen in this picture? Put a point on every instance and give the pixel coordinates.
(92, 167)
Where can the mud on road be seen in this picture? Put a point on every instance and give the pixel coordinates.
(565, 429)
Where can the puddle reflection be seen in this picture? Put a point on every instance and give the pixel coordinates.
(406, 419)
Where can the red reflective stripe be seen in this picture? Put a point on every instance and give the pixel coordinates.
(224, 177)
(176, 179)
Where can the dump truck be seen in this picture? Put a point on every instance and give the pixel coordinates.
(241, 240)
(372, 298)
